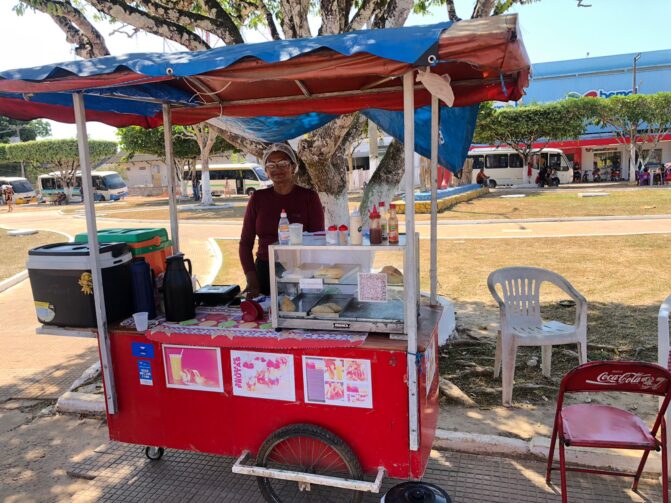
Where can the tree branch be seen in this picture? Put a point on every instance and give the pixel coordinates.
(452, 11)
(222, 25)
(295, 18)
(363, 16)
(483, 8)
(78, 29)
(145, 21)
(394, 14)
(270, 20)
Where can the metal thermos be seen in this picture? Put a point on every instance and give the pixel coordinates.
(143, 287)
(178, 289)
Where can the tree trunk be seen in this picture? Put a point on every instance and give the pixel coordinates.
(632, 160)
(384, 182)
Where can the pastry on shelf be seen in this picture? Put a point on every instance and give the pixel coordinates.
(394, 276)
(286, 305)
(328, 308)
(330, 272)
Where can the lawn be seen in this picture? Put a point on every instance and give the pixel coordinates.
(15, 250)
(536, 204)
(561, 203)
(622, 277)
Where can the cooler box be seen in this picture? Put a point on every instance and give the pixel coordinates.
(63, 287)
(151, 243)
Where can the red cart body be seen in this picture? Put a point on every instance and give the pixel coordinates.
(226, 424)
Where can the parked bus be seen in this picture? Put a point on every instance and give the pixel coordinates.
(23, 190)
(504, 166)
(108, 186)
(226, 179)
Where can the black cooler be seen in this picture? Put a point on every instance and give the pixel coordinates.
(63, 287)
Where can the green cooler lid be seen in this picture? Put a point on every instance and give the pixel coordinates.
(125, 235)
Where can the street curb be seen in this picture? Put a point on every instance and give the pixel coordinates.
(538, 448)
(218, 260)
(13, 280)
(72, 402)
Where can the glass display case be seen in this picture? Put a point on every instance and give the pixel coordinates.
(340, 287)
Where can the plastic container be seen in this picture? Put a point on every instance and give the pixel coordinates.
(62, 284)
(143, 287)
(283, 229)
(332, 235)
(152, 243)
(383, 221)
(375, 230)
(355, 228)
(342, 234)
(393, 225)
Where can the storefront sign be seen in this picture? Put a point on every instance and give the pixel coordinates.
(263, 375)
(144, 369)
(143, 350)
(337, 381)
(599, 93)
(195, 368)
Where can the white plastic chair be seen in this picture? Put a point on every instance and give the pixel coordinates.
(663, 349)
(521, 323)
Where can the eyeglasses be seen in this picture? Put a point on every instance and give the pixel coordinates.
(280, 164)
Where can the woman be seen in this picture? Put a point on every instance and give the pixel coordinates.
(8, 192)
(263, 215)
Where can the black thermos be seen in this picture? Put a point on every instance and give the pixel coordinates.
(178, 289)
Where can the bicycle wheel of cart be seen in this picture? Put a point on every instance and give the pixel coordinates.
(310, 449)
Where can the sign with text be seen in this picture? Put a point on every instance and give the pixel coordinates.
(263, 375)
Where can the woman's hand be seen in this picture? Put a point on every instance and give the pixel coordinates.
(253, 289)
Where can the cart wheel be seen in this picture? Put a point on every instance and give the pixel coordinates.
(154, 453)
(311, 449)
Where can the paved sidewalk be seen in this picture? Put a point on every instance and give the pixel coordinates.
(121, 473)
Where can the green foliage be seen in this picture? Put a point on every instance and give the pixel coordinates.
(136, 140)
(3, 152)
(521, 127)
(58, 152)
(26, 130)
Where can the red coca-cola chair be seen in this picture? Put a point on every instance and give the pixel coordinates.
(604, 426)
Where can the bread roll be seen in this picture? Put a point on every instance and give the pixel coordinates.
(287, 305)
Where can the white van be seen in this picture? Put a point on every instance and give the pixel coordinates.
(23, 190)
(107, 185)
(505, 167)
(227, 179)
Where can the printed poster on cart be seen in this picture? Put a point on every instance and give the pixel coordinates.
(263, 375)
(337, 381)
(195, 368)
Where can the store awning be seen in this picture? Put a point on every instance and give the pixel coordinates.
(282, 89)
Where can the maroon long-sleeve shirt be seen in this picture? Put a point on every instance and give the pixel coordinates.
(263, 216)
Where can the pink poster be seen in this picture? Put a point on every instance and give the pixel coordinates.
(263, 375)
(337, 381)
(190, 367)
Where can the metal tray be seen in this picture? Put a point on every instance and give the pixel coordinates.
(392, 310)
(341, 300)
(303, 302)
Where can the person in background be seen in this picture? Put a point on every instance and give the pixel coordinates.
(263, 214)
(481, 178)
(8, 193)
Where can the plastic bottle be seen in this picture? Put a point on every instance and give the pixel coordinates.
(283, 229)
(355, 228)
(375, 231)
(393, 225)
(383, 221)
(342, 234)
(332, 235)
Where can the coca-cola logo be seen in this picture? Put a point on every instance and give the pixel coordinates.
(641, 379)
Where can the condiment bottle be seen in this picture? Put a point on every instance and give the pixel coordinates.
(383, 221)
(332, 235)
(355, 227)
(375, 230)
(393, 225)
(283, 229)
(342, 232)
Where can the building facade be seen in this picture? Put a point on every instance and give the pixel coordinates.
(602, 77)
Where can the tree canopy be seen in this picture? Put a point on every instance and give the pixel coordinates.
(24, 130)
(58, 152)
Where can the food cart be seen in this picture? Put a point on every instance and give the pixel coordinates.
(318, 405)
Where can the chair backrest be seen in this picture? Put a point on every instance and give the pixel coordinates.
(521, 288)
(621, 377)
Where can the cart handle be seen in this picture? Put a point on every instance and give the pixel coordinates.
(310, 478)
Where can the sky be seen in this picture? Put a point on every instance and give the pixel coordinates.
(552, 30)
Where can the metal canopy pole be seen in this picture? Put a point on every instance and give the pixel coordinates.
(94, 254)
(410, 266)
(170, 162)
(433, 268)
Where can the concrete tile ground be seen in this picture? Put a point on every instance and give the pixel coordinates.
(121, 473)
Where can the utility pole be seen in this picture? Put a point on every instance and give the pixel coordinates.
(635, 87)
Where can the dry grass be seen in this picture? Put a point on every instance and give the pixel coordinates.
(624, 279)
(562, 203)
(15, 250)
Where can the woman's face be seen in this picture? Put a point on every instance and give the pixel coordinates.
(279, 167)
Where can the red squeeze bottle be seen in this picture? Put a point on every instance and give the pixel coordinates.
(375, 229)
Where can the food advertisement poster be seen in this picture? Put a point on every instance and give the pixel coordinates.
(337, 381)
(195, 368)
(430, 359)
(263, 375)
